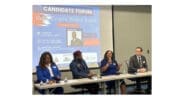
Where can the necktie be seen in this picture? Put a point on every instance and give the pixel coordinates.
(140, 62)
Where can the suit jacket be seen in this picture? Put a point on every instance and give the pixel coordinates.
(134, 64)
(76, 42)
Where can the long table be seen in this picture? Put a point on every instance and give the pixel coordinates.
(101, 80)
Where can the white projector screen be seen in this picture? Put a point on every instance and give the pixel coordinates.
(53, 28)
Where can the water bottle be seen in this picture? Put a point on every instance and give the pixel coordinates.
(65, 79)
(124, 70)
(41, 83)
(47, 81)
(99, 70)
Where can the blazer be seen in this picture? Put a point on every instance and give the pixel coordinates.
(76, 42)
(134, 64)
(43, 73)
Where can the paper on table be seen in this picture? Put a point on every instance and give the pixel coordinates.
(94, 78)
(69, 81)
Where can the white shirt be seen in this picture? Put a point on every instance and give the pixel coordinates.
(138, 57)
(50, 70)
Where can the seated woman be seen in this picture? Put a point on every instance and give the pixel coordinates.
(109, 66)
(47, 72)
(80, 70)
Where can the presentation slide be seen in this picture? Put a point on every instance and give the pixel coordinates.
(62, 30)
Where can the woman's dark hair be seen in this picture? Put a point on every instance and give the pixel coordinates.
(43, 57)
(105, 55)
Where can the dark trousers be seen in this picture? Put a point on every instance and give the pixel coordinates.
(111, 86)
(92, 88)
(139, 80)
(58, 90)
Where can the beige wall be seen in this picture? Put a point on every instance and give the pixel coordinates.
(132, 28)
(106, 29)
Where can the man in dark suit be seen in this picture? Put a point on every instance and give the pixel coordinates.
(138, 64)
